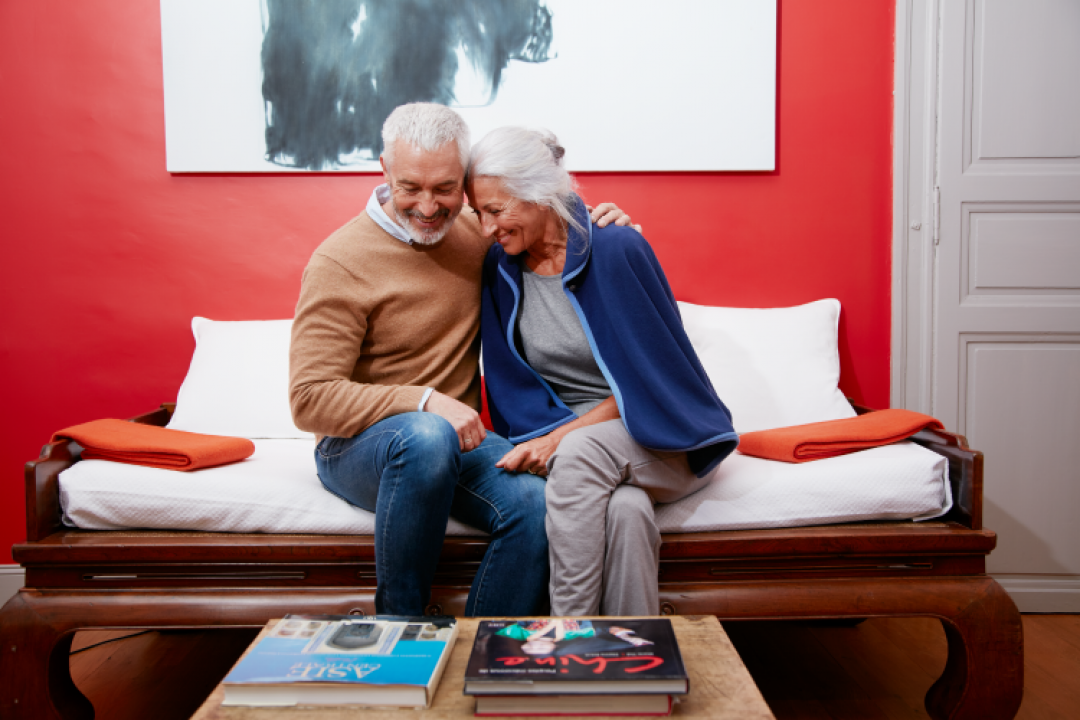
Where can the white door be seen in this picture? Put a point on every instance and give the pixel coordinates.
(1005, 333)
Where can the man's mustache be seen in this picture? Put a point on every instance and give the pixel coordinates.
(443, 212)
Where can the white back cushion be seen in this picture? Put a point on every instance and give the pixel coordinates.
(238, 382)
(772, 367)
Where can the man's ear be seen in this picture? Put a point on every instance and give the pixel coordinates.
(385, 172)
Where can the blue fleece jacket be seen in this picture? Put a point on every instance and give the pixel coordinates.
(630, 317)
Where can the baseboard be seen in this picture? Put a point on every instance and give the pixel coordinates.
(1043, 593)
(12, 578)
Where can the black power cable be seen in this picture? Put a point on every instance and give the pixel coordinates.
(110, 640)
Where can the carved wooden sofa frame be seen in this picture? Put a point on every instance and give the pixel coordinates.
(79, 579)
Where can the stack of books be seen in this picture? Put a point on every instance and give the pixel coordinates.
(551, 666)
(344, 660)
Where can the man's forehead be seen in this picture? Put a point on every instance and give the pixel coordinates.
(446, 155)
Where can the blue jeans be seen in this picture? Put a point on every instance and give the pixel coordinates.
(409, 471)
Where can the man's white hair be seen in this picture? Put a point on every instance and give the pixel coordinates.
(427, 126)
(529, 164)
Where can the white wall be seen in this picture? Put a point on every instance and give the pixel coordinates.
(11, 579)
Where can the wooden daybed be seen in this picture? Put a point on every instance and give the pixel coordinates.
(79, 579)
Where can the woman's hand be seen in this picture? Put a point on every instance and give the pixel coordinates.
(531, 456)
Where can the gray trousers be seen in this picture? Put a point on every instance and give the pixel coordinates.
(603, 540)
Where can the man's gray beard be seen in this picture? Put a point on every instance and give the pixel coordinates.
(419, 236)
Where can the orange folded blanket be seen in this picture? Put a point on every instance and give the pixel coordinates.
(129, 442)
(815, 441)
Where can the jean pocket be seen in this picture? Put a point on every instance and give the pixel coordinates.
(331, 447)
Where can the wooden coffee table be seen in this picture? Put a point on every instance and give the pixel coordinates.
(720, 686)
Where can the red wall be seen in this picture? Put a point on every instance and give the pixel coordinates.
(107, 257)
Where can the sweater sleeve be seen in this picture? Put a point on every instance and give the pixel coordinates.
(327, 339)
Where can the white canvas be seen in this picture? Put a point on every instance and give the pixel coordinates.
(640, 85)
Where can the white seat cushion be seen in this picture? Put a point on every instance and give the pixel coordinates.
(277, 490)
(903, 481)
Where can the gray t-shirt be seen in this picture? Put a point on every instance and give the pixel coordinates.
(555, 344)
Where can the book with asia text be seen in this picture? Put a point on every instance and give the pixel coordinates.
(344, 660)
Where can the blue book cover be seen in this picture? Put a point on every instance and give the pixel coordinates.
(329, 659)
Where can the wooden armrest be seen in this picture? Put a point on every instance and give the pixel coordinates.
(159, 417)
(43, 487)
(965, 474)
(965, 471)
(43, 477)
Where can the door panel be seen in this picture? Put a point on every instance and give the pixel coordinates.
(1020, 254)
(1017, 107)
(1021, 412)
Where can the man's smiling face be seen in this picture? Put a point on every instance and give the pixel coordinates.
(427, 189)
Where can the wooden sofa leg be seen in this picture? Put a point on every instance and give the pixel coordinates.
(984, 674)
(35, 675)
(37, 626)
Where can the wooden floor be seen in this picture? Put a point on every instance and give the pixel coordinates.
(877, 669)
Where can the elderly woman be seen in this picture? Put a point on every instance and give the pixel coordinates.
(590, 373)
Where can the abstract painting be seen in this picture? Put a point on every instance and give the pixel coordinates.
(305, 85)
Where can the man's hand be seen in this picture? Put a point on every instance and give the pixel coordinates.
(466, 421)
(606, 213)
(531, 456)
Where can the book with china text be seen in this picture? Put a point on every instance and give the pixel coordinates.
(553, 656)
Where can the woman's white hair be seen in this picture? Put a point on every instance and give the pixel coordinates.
(529, 165)
(427, 126)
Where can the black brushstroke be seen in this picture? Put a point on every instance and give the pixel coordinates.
(327, 93)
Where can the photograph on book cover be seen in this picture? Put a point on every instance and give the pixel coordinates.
(304, 652)
(282, 85)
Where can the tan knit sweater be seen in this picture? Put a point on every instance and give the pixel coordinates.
(379, 320)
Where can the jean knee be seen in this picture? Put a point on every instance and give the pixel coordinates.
(428, 434)
(429, 445)
(428, 430)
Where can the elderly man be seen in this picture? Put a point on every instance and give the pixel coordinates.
(383, 367)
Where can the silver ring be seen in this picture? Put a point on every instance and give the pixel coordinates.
(531, 471)
(468, 441)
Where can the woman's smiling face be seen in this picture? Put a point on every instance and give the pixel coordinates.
(515, 224)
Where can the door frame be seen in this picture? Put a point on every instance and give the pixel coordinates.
(915, 135)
